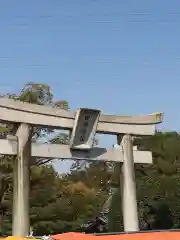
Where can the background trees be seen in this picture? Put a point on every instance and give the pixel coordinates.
(60, 203)
(56, 202)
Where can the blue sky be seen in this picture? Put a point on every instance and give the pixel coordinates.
(120, 56)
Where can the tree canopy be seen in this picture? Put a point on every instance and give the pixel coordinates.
(61, 203)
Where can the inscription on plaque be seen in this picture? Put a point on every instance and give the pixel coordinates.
(84, 129)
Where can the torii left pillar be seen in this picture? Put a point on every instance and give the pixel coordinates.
(21, 225)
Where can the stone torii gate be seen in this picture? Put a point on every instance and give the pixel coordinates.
(83, 124)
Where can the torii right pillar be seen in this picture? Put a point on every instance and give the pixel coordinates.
(128, 186)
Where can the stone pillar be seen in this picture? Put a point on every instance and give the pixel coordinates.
(128, 185)
(20, 225)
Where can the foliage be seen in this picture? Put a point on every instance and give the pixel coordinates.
(34, 93)
(63, 203)
(160, 183)
(54, 200)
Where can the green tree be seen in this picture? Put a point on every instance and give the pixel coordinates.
(33, 93)
(55, 202)
(159, 182)
(54, 199)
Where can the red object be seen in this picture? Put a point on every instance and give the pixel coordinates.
(162, 235)
(73, 236)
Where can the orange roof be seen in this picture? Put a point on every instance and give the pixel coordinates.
(162, 235)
